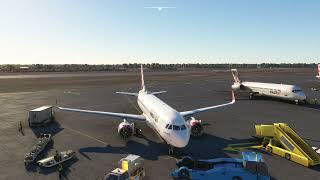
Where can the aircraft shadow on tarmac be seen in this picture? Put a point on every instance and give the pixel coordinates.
(205, 147)
(151, 151)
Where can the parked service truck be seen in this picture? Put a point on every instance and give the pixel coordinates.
(130, 168)
(40, 116)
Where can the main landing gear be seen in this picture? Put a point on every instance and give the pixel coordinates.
(251, 96)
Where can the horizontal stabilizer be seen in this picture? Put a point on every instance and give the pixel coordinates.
(128, 93)
(159, 92)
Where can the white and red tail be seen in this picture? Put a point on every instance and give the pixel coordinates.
(143, 88)
(318, 75)
(235, 75)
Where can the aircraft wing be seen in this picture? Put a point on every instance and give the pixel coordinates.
(119, 115)
(195, 111)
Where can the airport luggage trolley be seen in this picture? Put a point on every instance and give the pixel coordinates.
(43, 141)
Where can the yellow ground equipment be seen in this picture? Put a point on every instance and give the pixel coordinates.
(130, 168)
(280, 139)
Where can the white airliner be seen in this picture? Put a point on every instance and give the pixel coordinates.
(281, 91)
(174, 127)
(318, 76)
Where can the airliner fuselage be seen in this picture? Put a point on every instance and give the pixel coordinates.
(165, 120)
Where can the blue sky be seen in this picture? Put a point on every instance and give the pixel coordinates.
(119, 31)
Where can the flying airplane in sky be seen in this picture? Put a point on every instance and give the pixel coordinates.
(318, 76)
(281, 91)
(173, 127)
(160, 8)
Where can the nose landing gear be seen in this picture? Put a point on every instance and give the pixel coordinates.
(172, 150)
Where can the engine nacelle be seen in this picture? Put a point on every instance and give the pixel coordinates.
(125, 129)
(196, 128)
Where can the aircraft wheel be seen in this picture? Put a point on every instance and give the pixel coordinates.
(287, 156)
(188, 162)
(139, 131)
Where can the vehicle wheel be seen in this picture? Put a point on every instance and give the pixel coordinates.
(287, 156)
(139, 132)
(269, 149)
(184, 173)
(188, 162)
(251, 96)
(265, 142)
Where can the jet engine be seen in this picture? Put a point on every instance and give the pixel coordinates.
(125, 129)
(196, 127)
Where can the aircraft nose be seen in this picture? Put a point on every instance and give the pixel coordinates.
(302, 96)
(181, 139)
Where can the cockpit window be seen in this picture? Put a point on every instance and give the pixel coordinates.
(170, 126)
(167, 125)
(296, 90)
(183, 127)
(177, 128)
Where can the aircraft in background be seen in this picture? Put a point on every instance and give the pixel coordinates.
(173, 127)
(318, 76)
(280, 91)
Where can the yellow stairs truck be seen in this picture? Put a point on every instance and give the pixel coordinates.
(280, 139)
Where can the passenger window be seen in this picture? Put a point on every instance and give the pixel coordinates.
(177, 128)
(170, 126)
(183, 127)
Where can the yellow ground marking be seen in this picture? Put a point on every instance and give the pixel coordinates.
(90, 137)
(86, 135)
(242, 146)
